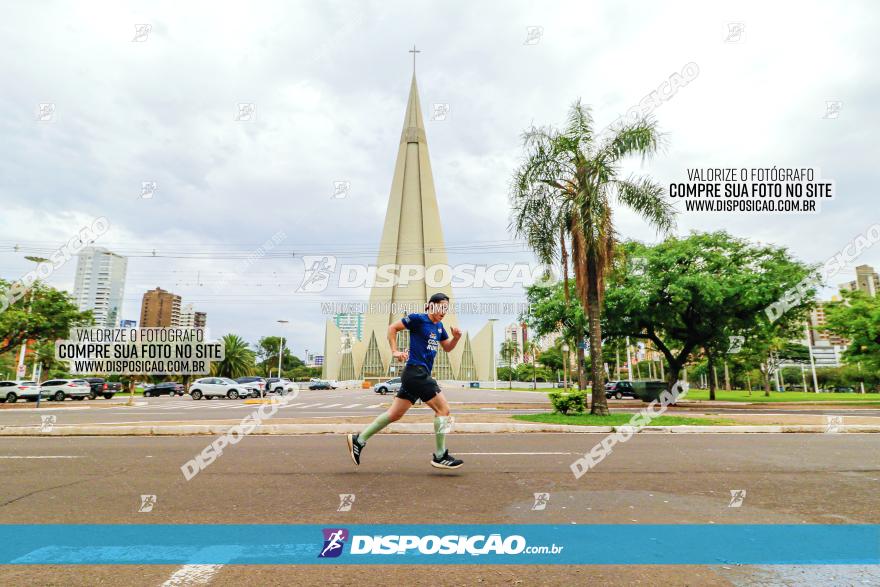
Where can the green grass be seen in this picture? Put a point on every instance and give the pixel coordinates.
(620, 420)
(782, 396)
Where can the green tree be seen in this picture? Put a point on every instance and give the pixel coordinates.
(857, 318)
(267, 356)
(701, 290)
(509, 351)
(52, 314)
(238, 359)
(568, 188)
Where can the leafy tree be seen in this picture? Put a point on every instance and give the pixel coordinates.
(267, 356)
(550, 312)
(567, 188)
(238, 359)
(52, 314)
(699, 291)
(857, 318)
(509, 351)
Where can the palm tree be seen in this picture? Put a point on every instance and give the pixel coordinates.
(566, 189)
(530, 348)
(238, 359)
(509, 351)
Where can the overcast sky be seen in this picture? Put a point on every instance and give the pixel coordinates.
(329, 83)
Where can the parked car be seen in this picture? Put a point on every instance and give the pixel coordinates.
(101, 387)
(281, 386)
(258, 382)
(619, 389)
(170, 388)
(211, 387)
(13, 390)
(322, 384)
(390, 386)
(61, 389)
(844, 389)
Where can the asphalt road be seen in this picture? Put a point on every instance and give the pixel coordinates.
(788, 478)
(321, 404)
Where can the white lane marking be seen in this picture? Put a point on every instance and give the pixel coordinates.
(192, 575)
(314, 405)
(42, 457)
(375, 406)
(351, 406)
(333, 406)
(516, 453)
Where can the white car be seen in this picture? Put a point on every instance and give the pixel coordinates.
(13, 390)
(282, 386)
(390, 386)
(61, 389)
(211, 387)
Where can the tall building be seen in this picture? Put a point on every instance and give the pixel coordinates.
(160, 308)
(817, 323)
(519, 333)
(187, 316)
(100, 283)
(350, 324)
(867, 281)
(411, 235)
(200, 320)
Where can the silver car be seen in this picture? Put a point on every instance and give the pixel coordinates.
(61, 389)
(390, 386)
(211, 387)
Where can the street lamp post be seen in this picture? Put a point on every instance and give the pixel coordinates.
(492, 347)
(281, 351)
(565, 365)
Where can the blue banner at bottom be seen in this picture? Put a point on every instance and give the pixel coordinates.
(488, 544)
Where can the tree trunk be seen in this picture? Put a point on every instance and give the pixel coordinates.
(713, 381)
(599, 404)
(582, 377)
(766, 374)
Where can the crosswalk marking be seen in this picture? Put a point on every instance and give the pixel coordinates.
(229, 405)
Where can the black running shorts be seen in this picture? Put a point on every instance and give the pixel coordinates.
(417, 383)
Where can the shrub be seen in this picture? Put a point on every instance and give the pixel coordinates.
(568, 401)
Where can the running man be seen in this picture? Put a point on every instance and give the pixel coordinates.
(426, 335)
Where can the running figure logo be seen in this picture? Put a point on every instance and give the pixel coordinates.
(334, 540)
(346, 500)
(318, 270)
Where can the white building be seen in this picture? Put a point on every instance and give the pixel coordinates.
(518, 333)
(100, 283)
(187, 316)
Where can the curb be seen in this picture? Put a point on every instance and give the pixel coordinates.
(426, 428)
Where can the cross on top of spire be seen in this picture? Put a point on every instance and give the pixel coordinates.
(414, 51)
